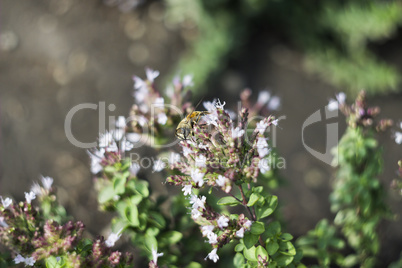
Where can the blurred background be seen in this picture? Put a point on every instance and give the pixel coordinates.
(56, 54)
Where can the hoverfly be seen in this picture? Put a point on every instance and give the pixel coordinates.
(185, 127)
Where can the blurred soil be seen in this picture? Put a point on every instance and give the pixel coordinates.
(56, 54)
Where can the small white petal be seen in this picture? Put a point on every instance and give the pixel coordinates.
(263, 97)
(332, 105)
(47, 182)
(274, 103)
(19, 259)
(6, 202)
(222, 222)
(162, 118)
(121, 122)
(30, 196)
(240, 233)
(187, 189)
(30, 261)
(398, 137)
(213, 256)
(155, 255)
(151, 74)
(188, 81)
(221, 181)
(159, 165)
(112, 239)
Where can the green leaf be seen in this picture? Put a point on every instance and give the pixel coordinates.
(283, 260)
(268, 208)
(250, 240)
(260, 251)
(253, 199)
(257, 189)
(106, 194)
(131, 213)
(249, 254)
(142, 188)
(238, 260)
(136, 199)
(257, 228)
(287, 248)
(272, 247)
(51, 262)
(110, 170)
(171, 237)
(228, 201)
(194, 265)
(239, 247)
(150, 242)
(119, 185)
(273, 229)
(286, 237)
(157, 219)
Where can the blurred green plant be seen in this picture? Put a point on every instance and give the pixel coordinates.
(335, 37)
(358, 198)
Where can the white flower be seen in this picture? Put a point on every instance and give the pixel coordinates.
(199, 202)
(187, 151)
(207, 229)
(151, 74)
(212, 119)
(197, 177)
(133, 137)
(47, 182)
(112, 239)
(187, 81)
(187, 189)
(332, 105)
(222, 222)
(400, 125)
(202, 146)
(261, 126)
(398, 137)
(155, 255)
(142, 120)
(3, 222)
(30, 196)
(121, 122)
(195, 213)
(213, 238)
(264, 166)
(36, 188)
(19, 259)
(218, 104)
(96, 160)
(275, 122)
(162, 118)
(262, 147)
(240, 233)
(107, 140)
(213, 256)
(139, 83)
(200, 161)
(174, 158)
(274, 103)
(341, 97)
(30, 261)
(159, 102)
(247, 225)
(6, 202)
(159, 165)
(126, 145)
(209, 106)
(263, 97)
(237, 132)
(221, 181)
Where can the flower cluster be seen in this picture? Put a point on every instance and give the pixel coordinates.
(151, 111)
(35, 239)
(221, 153)
(264, 105)
(359, 114)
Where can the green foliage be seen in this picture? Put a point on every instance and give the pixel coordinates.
(334, 36)
(358, 197)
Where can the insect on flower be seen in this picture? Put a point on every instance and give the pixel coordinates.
(185, 127)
